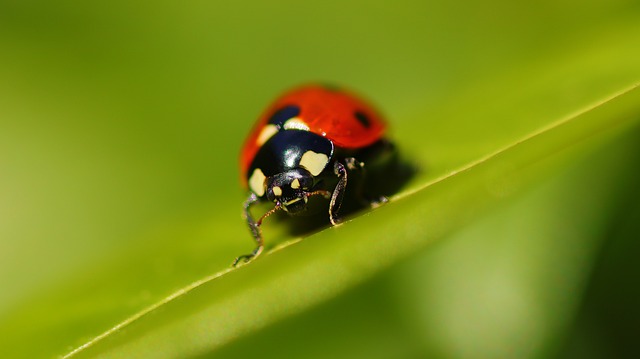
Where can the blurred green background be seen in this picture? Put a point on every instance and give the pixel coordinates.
(120, 128)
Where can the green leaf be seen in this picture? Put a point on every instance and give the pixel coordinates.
(120, 128)
(216, 309)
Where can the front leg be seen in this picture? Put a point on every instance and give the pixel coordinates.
(254, 227)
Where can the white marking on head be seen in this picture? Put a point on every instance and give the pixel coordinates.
(295, 184)
(292, 201)
(256, 182)
(277, 191)
(314, 162)
(267, 132)
(295, 123)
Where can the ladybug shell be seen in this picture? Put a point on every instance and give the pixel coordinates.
(341, 117)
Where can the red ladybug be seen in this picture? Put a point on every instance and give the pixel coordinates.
(308, 143)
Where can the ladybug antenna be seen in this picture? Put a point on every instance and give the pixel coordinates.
(270, 212)
(323, 193)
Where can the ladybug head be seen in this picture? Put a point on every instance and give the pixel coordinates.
(290, 189)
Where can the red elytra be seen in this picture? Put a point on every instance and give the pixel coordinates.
(332, 113)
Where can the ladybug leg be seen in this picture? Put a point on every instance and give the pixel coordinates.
(364, 199)
(357, 168)
(354, 165)
(338, 192)
(254, 227)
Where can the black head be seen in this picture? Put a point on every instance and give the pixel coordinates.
(287, 167)
(290, 189)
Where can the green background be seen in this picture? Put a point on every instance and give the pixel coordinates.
(120, 128)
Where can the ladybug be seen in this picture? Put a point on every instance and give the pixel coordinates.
(310, 143)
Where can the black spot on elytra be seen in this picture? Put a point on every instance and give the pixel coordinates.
(282, 115)
(362, 118)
